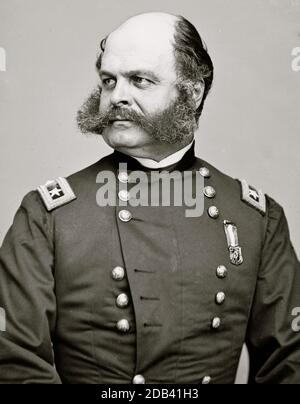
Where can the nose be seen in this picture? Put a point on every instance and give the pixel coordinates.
(120, 95)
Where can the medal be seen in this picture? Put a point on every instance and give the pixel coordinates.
(235, 251)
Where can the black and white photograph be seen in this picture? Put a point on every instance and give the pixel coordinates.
(150, 194)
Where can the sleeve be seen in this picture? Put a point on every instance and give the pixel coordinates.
(272, 340)
(27, 298)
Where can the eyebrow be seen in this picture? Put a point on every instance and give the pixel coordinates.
(131, 73)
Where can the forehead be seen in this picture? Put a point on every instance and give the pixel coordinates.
(138, 49)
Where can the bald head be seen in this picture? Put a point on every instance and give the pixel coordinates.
(150, 21)
(148, 28)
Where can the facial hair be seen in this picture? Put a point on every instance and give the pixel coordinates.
(175, 124)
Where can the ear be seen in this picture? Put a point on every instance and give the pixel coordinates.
(198, 92)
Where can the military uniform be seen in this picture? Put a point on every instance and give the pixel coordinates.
(145, 294)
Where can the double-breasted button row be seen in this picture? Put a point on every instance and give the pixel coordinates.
(122, 300)
(214, 213)
(220, 297)
(209, 192)
(124, 215)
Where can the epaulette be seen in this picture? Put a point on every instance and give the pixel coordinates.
(56, 193)
(253, 197)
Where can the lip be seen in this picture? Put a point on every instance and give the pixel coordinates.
(121, 123)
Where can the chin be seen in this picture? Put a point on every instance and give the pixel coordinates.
(120, 139)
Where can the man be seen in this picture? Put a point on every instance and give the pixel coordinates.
(144, 294)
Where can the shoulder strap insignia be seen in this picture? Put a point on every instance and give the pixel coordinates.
(253, 197)
(56, 193)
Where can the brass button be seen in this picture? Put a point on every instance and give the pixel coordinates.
(122, 300)
(220, 297)
(221, 271)
(124, 195)
(216, 323)
(209, 191)
(123, 177)
(213, 212)
(204, 172)
(125, 216)
(118, 273)
(123, 326)
(206, 380)
(138, 379)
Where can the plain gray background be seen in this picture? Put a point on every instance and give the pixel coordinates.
(251, 122)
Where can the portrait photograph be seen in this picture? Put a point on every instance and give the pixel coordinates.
(150, 197)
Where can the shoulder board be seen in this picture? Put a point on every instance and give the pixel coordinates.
(253, 197)
(56, 193)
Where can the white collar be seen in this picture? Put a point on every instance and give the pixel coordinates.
(168, 161)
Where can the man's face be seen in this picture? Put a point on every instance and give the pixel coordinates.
(137, 74)
(139, 104)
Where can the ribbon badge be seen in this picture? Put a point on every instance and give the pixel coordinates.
(235, 251)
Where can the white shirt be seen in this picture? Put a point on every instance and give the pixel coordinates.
(168, 161)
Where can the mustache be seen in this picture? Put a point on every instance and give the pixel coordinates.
(170, 125)
(121, 113)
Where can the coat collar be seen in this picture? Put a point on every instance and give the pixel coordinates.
(166, 162)
(186, 160)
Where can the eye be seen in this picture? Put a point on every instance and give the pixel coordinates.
(109, 82)
(141, 81)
